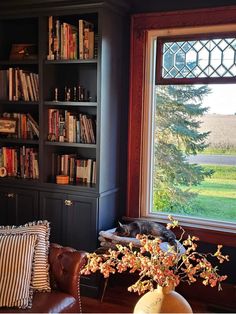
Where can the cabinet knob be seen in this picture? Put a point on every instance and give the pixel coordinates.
(10, 195)
(68, 202)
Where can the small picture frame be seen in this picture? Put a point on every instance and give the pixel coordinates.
(8, 125)
(23, 51)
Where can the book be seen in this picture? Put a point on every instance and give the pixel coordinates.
(81, 39)
(22, 85)
(94, 171)
(4, 84)
(10, 80)
(50, 39)
(91, 45)
(86, 39)
(34, 124)
(78, 140)
(29, 86)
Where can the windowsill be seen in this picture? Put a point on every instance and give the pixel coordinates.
(208, 231)
(195, 222)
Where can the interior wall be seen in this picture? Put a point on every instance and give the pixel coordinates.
(136, 6)
(15, 4)
(139, 6)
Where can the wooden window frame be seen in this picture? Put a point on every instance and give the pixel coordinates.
(141, 24)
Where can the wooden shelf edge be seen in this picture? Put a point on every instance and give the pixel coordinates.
(87, 61)
(66, 144)
(18, 102)
(70, 103)
(19, 141)
(19, 62)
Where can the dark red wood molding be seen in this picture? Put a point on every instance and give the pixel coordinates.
(210, 236)
(224, 299)
(141, 23)
(135, 120)
(184, 18)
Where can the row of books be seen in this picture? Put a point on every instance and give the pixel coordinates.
(67, 41)
(17, 84)
(78, 170)
(27, 127)
(21, 162)
(64, 126)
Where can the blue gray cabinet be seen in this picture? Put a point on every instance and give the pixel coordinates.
(72, 218)
(18, 206)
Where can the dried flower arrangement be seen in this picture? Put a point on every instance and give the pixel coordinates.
(157, 267)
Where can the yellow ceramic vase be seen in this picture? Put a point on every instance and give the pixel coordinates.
(162, 300)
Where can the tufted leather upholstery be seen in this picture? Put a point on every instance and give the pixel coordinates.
(65, 264)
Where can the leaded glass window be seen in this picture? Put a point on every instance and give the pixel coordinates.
(197, 59)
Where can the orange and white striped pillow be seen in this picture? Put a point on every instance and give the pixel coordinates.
(16, 261)
(40, 280)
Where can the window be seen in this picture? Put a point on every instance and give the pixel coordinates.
(195, 60)
(195, 65)
(192, 155)
(194, 152)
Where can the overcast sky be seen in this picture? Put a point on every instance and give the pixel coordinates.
(222, 100)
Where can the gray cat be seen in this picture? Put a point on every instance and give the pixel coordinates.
(146, 227)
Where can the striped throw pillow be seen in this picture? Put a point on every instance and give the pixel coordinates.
(16, 260)
(40, 280)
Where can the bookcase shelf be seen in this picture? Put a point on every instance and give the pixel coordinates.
(19, 103)
(16, 181)
(65, 144)
(19, 141)
(79, 115)
(74, 187)
(90, 61)
(18, 62)
(70, 103)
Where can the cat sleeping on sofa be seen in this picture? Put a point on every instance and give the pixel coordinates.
(153, 229)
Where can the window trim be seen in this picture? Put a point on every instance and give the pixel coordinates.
(143, 26)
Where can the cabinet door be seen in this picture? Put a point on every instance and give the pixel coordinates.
(80, 222)
(7, 208)
(26, 205)
(51, 209)
(18, 206)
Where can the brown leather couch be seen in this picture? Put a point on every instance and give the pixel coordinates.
(65, 264)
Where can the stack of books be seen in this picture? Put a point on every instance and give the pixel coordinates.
(65, 126)
(17, 84)
(20, 162)
(27, 127)
(78, 170)
(67, 41)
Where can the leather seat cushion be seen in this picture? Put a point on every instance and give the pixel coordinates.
(47, 302)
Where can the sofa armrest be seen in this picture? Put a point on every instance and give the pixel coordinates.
(65, 265)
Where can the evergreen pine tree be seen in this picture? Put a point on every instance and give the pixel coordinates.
(177, 136)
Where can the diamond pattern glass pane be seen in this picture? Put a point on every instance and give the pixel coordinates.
(199, 58)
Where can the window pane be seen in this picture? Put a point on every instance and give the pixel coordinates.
(199, 58)
(195, 151)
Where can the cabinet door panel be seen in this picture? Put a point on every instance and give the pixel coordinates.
(7, 209)
(26, 206)
(51, 209)
(80, 218)
(18, 206)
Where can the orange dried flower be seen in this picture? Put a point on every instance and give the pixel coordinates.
(158, 267)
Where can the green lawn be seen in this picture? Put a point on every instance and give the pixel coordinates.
(217, 195)
(219, 151)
